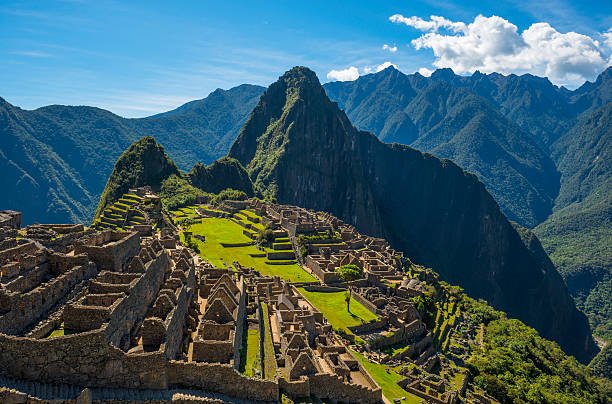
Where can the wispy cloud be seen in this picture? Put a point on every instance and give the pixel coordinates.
(391, 49)
(34, 54)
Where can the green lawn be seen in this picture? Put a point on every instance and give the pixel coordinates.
(219, 230)
(387, 381)
(189, 211)
(333, 307)
(268, 346)
(249, 358)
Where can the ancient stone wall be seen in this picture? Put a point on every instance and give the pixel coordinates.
(368, 327)
(83, 359)
(66, 241)
(327, 386)
(239, 324)
(295, 388)
(26, 308)
(221, 378)
(111, 250)
(176, 321)
(365, 302)
(133, 308)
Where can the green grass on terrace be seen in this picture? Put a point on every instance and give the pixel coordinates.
(189, 211)
(268, 346)
(387, 380)
(249, 357)
(219, 230)
(333, 307)
(249, 213)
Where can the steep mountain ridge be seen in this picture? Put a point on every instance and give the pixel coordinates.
(456, 124)
(221, 174)
(300, 148)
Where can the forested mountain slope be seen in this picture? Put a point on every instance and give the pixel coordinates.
(578, 235)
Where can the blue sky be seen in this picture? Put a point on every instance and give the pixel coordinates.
(138, 58)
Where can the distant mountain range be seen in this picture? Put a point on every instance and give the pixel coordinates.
(540, 150)
(56, 159)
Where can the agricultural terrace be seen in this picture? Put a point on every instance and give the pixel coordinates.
(333, 307)
(219, 230)
(387, 378)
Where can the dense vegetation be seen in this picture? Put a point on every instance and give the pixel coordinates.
(602, 363)
(349, 272)
(510, 360)
(299, 147)
(221, 174)
(176, 192)
(516, 365)
(519, 366)
(578, 236)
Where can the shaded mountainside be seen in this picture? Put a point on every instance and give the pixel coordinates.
(36, 180)
(456, 124)
(300, 148)
(63, 155)
(514, 113)
(578, 235)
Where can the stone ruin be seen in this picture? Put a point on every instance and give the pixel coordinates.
(137, 311)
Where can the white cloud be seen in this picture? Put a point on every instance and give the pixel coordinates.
(376, 69)
(493, 44)
(435, 22)
(350, 74)
(353, 73)
(391, 49)
(608, 38)
(425, 71)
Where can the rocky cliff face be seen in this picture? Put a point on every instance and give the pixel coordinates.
(299, 147)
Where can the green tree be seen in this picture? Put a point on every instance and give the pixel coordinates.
(349, 272)
(347, 299)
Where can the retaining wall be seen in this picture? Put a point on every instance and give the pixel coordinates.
(221, 378)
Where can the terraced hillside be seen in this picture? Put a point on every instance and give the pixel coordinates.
(223, 240)
(124, 214)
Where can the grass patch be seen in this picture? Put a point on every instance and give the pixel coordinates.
(249, 356)
(268, 345)
(220, 230)
(333, 307)
(387, 381)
